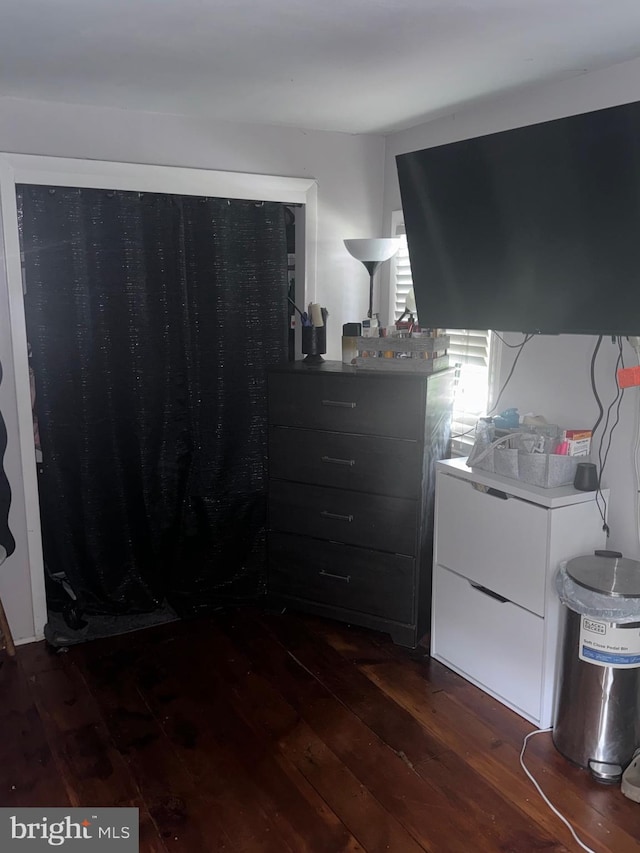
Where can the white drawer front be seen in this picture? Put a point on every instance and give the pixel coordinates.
(497, 644)
(500, 544)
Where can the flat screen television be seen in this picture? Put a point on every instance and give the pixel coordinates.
(535, 229)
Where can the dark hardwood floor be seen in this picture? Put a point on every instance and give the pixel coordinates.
(258, 732)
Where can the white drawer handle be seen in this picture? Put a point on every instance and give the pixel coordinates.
(346, 578)
(490, 593)
(334, 515)
(332, 461)
(338, 404)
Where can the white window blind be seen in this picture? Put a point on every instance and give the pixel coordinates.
(402, 281)
(469, 351)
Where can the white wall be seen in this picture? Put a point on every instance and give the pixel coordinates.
(349, 171)
(15, 577)
(552, 375)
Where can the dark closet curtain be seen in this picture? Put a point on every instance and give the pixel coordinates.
(151, 320)
(7, 542)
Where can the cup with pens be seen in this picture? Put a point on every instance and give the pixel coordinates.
(314, 332)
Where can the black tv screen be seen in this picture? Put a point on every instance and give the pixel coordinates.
(535, 229)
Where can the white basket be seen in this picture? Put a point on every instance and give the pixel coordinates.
(546, 470)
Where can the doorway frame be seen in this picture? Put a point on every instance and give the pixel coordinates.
(100, 174)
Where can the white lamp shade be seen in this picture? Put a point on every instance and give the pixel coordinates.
(373, 249)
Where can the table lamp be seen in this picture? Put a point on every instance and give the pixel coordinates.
(372, 252)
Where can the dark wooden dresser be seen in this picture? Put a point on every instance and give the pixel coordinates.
(352, 458)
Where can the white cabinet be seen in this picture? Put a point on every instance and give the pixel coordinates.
(495, 611)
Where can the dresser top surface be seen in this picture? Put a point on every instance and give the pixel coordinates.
(551, 498)
(337, 367)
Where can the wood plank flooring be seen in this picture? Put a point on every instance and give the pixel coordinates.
(249, 731)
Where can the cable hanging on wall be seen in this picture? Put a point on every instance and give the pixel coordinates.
(606, 436)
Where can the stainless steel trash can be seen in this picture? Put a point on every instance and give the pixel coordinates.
(597, 719)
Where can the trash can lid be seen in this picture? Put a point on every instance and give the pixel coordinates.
(615, 576)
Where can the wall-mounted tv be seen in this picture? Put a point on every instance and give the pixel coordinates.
(535, 229)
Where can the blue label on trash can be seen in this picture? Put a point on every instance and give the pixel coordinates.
(610, 659)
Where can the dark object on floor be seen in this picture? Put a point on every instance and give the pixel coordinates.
(60, 631)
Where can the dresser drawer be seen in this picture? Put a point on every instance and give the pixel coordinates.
(500, 544)
(384, 466)
(356, 404)
(497, 644)
(342, 576)
(372, 521)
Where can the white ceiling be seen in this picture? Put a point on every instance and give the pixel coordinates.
(357, 66)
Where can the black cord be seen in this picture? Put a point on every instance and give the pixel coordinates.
(593, 385)
(617, 402)
(519, 347)
(502, 340)
(603, 436)
(601, 510)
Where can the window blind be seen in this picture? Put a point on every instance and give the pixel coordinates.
(469, 351)
(401, 275)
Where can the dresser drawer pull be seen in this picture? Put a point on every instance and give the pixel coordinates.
(346, 578)
(332, 461)
(489, 592)
(325, 514)
(338, 404)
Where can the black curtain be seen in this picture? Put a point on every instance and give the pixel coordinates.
(151, 320)
(7, 542)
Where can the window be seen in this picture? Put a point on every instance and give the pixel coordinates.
(469, 351)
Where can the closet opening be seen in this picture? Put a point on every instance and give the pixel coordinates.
(150, 320)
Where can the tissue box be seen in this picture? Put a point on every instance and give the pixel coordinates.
(579, 441)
